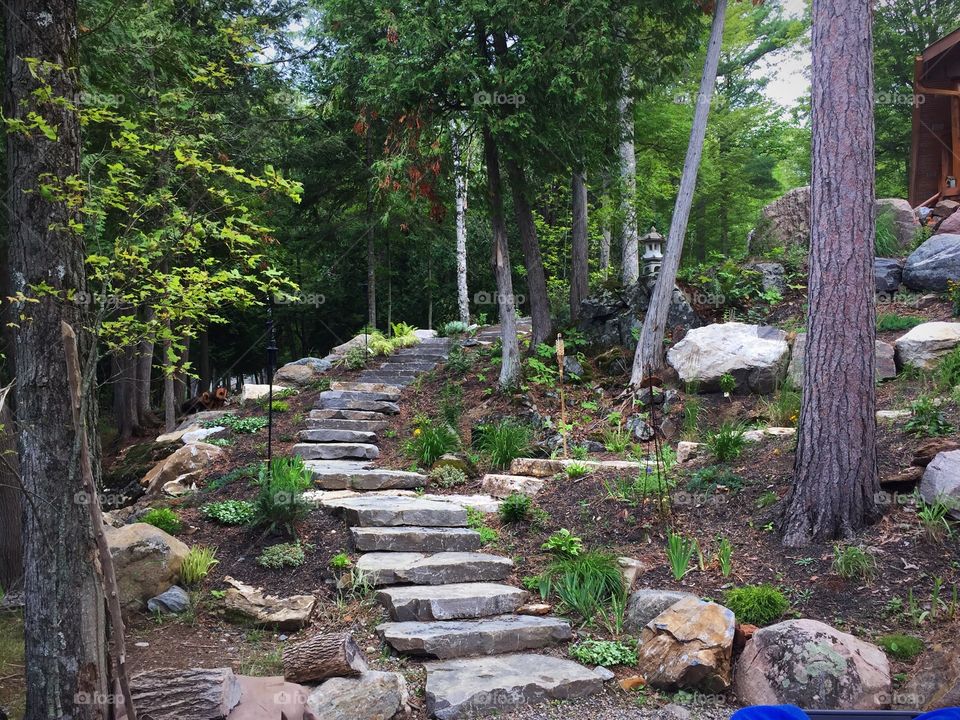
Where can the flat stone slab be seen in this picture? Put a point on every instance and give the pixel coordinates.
(503, 485)
(489, 684)
(461, 638)
(378, 390)
(415, 539)
(380, 406)
(386, 511)
(483, 503)
(450, 602)
(547, 467)
(443, 568)
(336, 451)
(334, 435)
(371, 426)
(332, 414)
(359, 475)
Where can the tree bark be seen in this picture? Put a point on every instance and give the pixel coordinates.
(579, 246)
(173, 694)
(834, 492)
(169, 387)
(11, 494)
(629, 238)
(203, 342)
(649, 358)
(124, 374)
(460, 199)
(64, 624)
(322, 657)
(145, 415)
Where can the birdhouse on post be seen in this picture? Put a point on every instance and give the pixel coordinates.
(652, 253)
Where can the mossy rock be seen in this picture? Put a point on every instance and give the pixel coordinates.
(135, 462)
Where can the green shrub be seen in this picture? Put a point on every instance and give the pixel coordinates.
(505, 441)
(927, 419)
(454, 327)
(229, 512)
(934, 517)
(948, 369)
(515, 508)
(458, 361)
(403, 335)
(757, 604)
(431, 440)
(241, 426)
(725, 556)
(340, 561)
(902, 647)
(616, 440)
(219, 442)
(451, 404)
(784, 409)
(726, 443)
(853, 561)
(563, 543)
(279, 503)
(577, 470)
(708, 479)
(249, 472)
(197, 564)
(728, 383)
(586, 583)
(886, 243)
(354, 359)
(890, 322)
(447, 476)
(282, 555)
(163, 518)
(603, 652)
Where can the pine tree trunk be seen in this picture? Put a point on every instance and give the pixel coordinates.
(580, 269)
(64, 624)
(145, 415)
(322, 657)
(836, 462)
(124, 373)
(11, 546)
(629, 238)
(460, 196)
(649, 359)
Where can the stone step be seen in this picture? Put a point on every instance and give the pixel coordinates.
(332, 414)
(488, 685)
(415, 539)
(336, 435)
(443, 568)
(461, 638)
(382, 392)
(387, 380)
(503, 485)
(336, 451)
(419, 357)
(371, 426)
(450, 602)
(406, 368)
(548, 467)
(349, 475)
(380, 406)
(385, 511)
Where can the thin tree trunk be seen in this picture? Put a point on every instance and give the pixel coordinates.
(605, 234)
(145, 415)
(579, 246)
(460, 198)
(169, 387)
(64, 623)
(629, 237)
(834, 492)
(649, 358)
(203, 341)
(124, 374)
(11, 494)
(181, 386)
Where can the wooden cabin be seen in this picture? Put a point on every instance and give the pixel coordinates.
(935, 152)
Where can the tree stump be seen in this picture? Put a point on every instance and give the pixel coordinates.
(193, 694)
(321, 657)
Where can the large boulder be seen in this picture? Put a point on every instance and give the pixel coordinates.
(646, 603)
(810, 664)
(372, 696)
(925, 344)
(784, 222)
(610, 318)
(949, 225)
(688, 646)
(941, 481)
(183, 467)
(303, 372)
(935, 681)
(147, 561)
(887, 275)
(885, 369)
(905, 223)
(932, 265)
(756, 356)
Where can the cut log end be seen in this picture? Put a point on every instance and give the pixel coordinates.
(323, 656)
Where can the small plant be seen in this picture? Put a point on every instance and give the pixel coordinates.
(725, 557)
(451, 404)
(563, 543)
(197, 564)
(279, 503)
(886, 243)
(277, 557)
(163, 518)
(616, 440)
(458, 361)
(756, 604)
(728, 383)
(340, 561)
(219, 442)
(354, 359)
(248, 472)
(488, 536)
(431, 440)
(280, 406)
(476, 520)
(239, 425)
(934, 517)
(927, 419)
(454, 327)
(853, 561)
(948, 370)
(448, 476)
(603, 652)
(505, 442)
(586, 583)
(680, 552)
(767, 499)
(902, 647)
(712, 478)
(953, 295)
(515, 508)
(726, 443)
(784, 410)
(229, 512)
(576, 470)
(891, 322)
(579, 452)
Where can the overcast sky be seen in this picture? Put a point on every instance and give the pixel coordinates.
(789, 71)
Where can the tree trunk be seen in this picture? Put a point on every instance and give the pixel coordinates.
(834, 492)
(629, 238)
(181, 386)
(124, 371)
(169, 387)
(532, 259)
(322, 657)
(172, 694)
(64, 623)
(510, 362)
(145, 415)
(203, 371)
(580, 247)
(460, 195)
(11, 494)
(649, 358)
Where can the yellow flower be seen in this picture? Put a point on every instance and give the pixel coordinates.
(416, 432)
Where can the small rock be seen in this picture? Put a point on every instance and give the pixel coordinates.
(929, 449)
(141, 644)
(452, 460)
(887, 275)
(773, 276)
(534, 609)
(934, 264)
(687, 451)
(572, 367)
(892, 414)
(281, 638)
(645, 604)
(925, 344)
(175, 600)
(641, 429)
(250, 392)
(632, 682)
(603, 673)
(674, 712)
(184, 466)
(251, 605)
(630, 568)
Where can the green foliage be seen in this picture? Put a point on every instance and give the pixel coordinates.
(431, 440)
(680, 552)
(603, 652)
(927, 419)
(279, 503)
(728, 383)
(901, 647)
(886, 244)
(403, 335)
(354, 359)
(505, 441)
(934, 518)
(563, 543)
(727, 442)
(229, 512)
(197, 565)
(953, 295)
(238, 425)
(616, 440)
(767, 499)
(451, 404)
(576, 470)
(448, 476)
(784, 409)
(340, 561)
(948, 369)
(476, 520)
(277, 557)
(454, 327)
(889, 322)
(459, 362)
(710, 478)
(586, 583)
(756, 604)
(725, 556)
(219, 442)
(854, 562)
(515, 508)
(163, 518)
(725, 281)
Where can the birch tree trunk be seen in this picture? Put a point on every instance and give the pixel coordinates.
(649, 358)
(64, 623)
(836, 462)
(629, 238)
(580, 269)
(460, 195)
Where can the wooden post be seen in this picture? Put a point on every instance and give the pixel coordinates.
(109, 576)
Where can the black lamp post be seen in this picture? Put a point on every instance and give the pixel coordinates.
(271, 364)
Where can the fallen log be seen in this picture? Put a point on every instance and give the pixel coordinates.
(322, 657)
